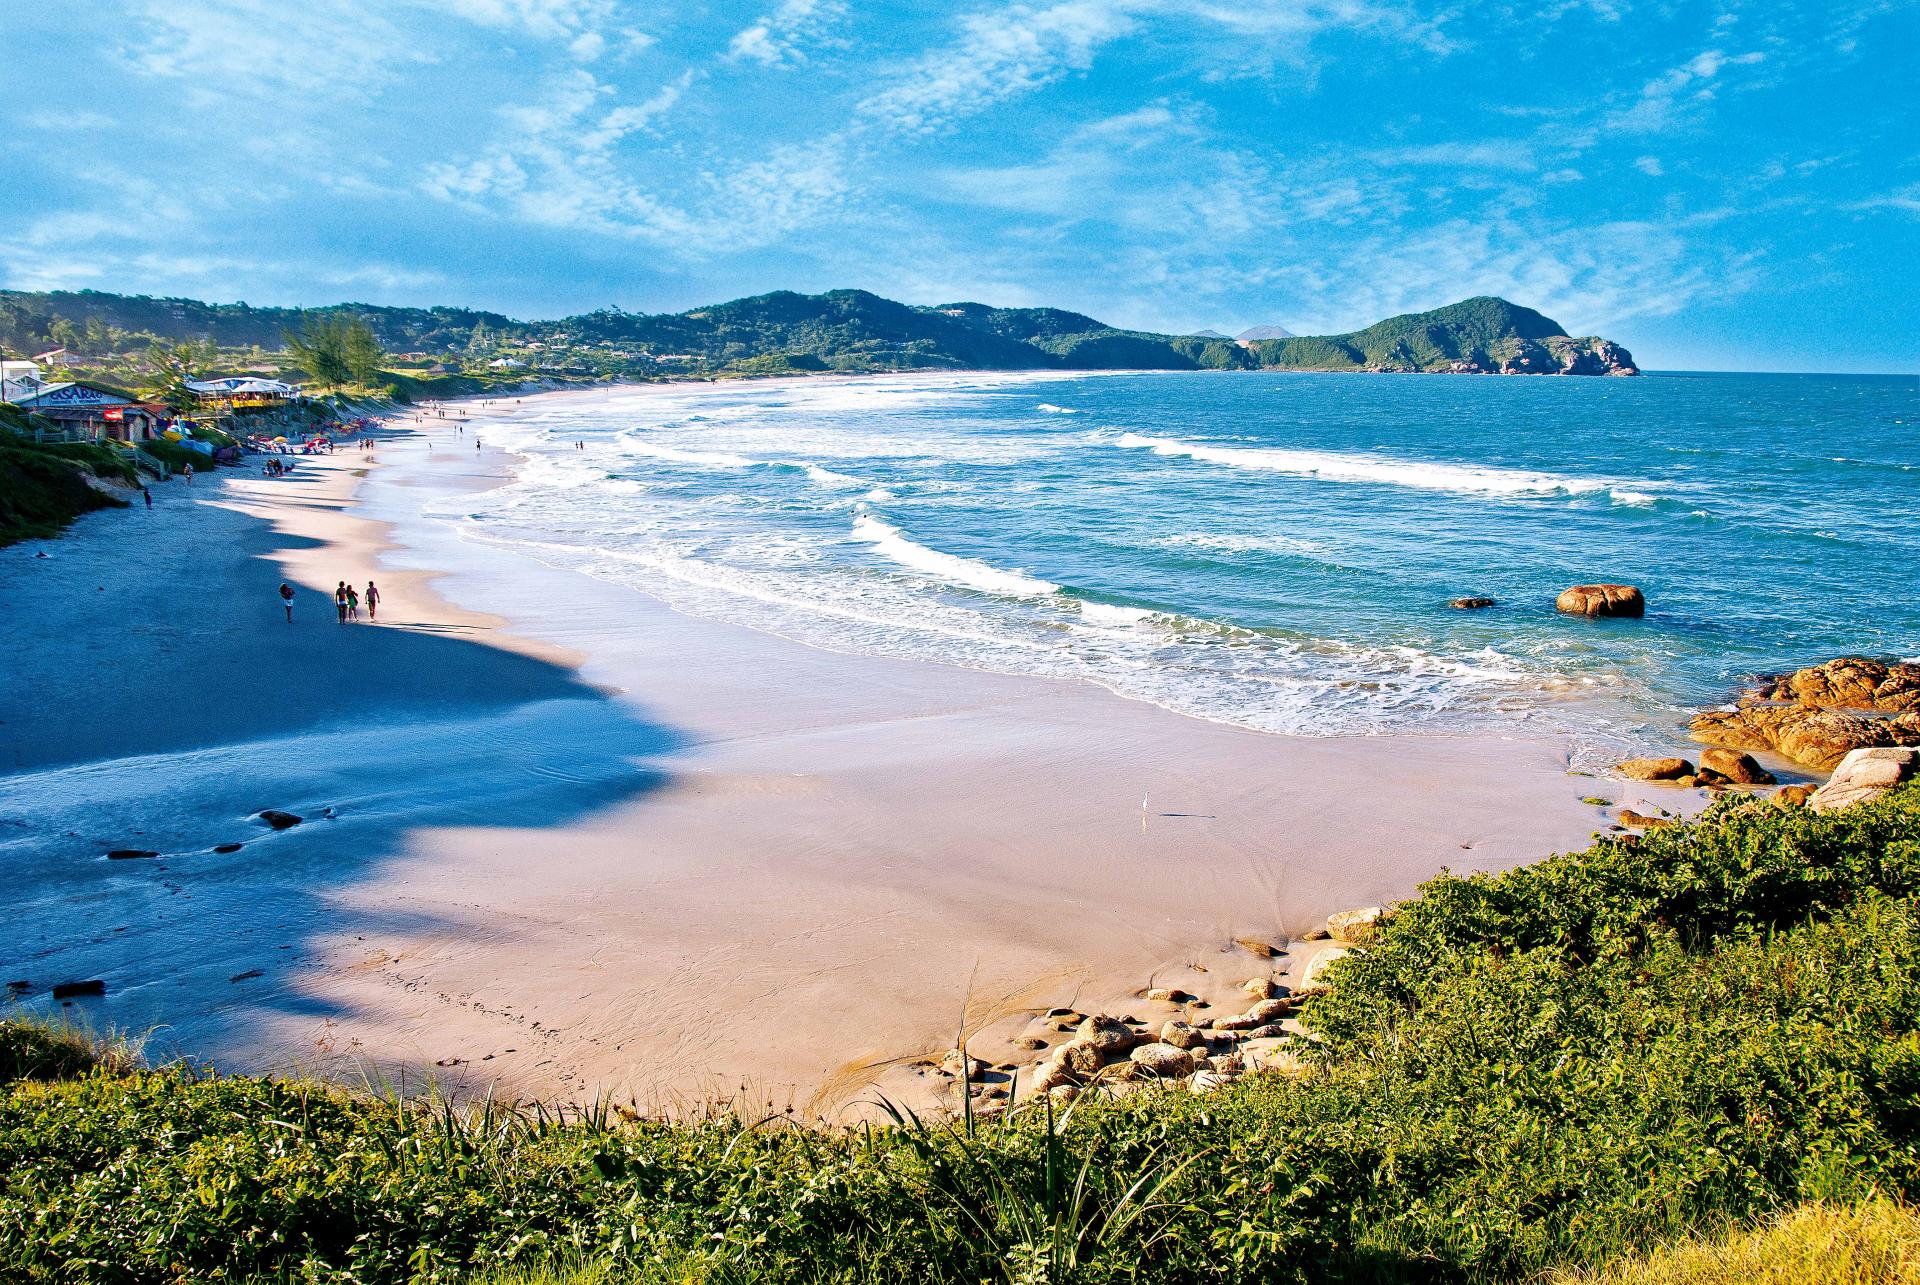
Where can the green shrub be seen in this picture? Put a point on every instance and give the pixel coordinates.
(1538, 1070)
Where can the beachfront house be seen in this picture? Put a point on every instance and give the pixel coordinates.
(241, 391)
(20, 379)
(90, 412)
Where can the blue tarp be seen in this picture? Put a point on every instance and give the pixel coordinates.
(205, 448)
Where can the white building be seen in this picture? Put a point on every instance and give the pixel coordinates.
(20, 379)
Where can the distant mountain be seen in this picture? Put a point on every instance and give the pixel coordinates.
(851, 330)
(1474, 336)
(1207, 334)
(1264, 332)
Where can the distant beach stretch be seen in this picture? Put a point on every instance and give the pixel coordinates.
(756, 737)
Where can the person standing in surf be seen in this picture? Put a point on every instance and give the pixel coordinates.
(373, 600)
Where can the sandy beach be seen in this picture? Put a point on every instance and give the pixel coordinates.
(565, 841)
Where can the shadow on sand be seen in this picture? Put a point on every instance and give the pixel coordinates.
(407, 731)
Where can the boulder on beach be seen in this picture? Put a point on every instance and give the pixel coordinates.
(1472, 604)
(1108, 1034)
(1806, 734)
(280, 820)
(1182, 1036)
(1082, 1057)
(1594, 600)
(1163, 1060)
(1655, 769)
(1735, 767)
(1865, 775)
(1791, 796)
(1355, 927)
(1628, 816)
(1849, 682)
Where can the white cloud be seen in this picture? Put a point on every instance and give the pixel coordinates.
(1650, 166)
(1662, 100)
(1492, 155)
(780, 37)
(996, 56)
(999, 54)
(223, 48)
(562, 162)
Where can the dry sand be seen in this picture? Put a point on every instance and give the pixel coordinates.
(609, 848)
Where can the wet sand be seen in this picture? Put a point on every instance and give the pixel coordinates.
(584, 844)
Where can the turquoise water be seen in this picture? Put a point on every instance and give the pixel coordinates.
(1268, 550)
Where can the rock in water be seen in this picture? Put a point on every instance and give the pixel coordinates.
(1471, 604)
(1664, 769)
(76, 990)
(281, 820)
(1865, 775)
(1591, 600)
(1736, 767)
(1850, 682)
(132, 854)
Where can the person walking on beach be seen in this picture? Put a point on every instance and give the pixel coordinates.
(147, 495)
(340, 600)
(373, 600)
(186, 471)
(286, 599)
(353, 603)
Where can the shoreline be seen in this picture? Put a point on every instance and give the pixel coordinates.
(720, 863)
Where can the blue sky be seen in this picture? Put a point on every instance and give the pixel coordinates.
(1715, 185)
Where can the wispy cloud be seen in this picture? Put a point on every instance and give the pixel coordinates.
(784, 34)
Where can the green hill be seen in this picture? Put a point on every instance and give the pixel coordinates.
(1481, 335)
(841, 330)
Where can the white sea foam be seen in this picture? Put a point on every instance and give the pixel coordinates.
(947, 566)
(827, 477)
(1050, 409)
(1241, 543)
(676, 455)
(1421, 474)
(1107, 613)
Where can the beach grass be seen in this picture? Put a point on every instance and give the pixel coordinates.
(1876, 1242)
(1646, 1043)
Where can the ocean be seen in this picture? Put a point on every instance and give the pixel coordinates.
(1272, 551)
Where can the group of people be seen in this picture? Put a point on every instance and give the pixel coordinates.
(346, 600)
(274, 467)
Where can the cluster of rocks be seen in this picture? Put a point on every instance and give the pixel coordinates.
(1718, 769)
(1819, 715)
(1855, 717)
(1117, 1052)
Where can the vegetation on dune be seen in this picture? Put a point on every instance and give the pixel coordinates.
(1874, 1243)
(1549, 1069)
(44, 485)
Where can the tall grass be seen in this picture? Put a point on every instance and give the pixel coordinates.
(1876, 1242)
